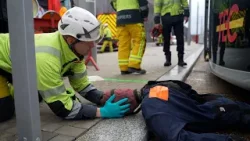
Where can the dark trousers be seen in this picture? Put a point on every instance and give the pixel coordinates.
(177, 23)
(188, 116)
(7, 108)
(4, 26)
(6, 103)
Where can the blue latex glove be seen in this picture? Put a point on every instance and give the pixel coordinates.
(114, 110)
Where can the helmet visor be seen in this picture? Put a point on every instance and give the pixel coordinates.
(92, 35)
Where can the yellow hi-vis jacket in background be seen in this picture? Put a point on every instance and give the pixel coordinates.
(55, 60)
(107, 33)
(172, 7)
(130, 11)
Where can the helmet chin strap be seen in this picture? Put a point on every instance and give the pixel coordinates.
(72, 47)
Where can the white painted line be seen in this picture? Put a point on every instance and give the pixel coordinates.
(95, 78)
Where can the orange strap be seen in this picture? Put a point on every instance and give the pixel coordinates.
(160, 92)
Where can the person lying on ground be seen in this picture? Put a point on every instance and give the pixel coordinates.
(173, 111)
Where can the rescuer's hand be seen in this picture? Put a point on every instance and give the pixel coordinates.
(116, 109)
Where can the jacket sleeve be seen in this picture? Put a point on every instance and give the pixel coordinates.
(144, 8)
(157, 11)
(80, 82)
(113, 4)
(185, 7)
(51, 87)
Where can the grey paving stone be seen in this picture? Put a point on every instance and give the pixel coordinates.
(12, 130)
(69, 122)
(51, 127)
(8, 137)
(7, 125)
(46, 136)
(70, 131)
(131, 128)
(86, 123)
(62, 138)
(5, 135)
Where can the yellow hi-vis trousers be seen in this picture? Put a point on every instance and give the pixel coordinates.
(4, 89)
(104, 45)
(131, 45)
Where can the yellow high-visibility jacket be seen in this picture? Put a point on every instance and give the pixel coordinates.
(130, 11)
(107, 32)
(55, 60)
(173, 7)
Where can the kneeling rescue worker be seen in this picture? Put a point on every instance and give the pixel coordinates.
(59, 55)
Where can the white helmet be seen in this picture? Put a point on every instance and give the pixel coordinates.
(79, 23)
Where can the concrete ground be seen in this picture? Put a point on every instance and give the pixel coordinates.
(56, 129)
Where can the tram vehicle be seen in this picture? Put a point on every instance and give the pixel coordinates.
(229, 41)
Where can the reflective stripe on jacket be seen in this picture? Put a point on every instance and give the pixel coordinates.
(130, 11)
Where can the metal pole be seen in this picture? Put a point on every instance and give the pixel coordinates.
(197, 22)
(94, 7)
(189, 25)
(210, 22)
(89, 5)
(206, 26)
(21, 28)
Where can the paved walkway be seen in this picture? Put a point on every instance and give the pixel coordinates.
(55, 129)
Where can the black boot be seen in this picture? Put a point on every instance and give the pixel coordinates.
(168, 60)
(125, 72)
(181, 61)
(136, 71)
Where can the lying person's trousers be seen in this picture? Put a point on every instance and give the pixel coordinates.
(188, 116)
